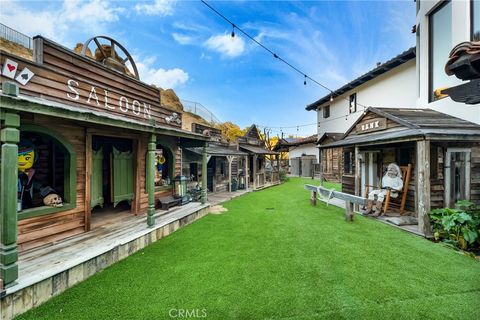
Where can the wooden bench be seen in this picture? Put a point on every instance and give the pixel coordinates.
(168, 202)
(349, 199)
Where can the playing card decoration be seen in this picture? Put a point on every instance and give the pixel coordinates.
(9, 69)
(24, 76)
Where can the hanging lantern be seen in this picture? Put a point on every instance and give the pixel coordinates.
(180, 189)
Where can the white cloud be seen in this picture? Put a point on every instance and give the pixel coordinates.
(158, 8)
(160, 77)
(182, 38)
(226, 45)
(60, 22)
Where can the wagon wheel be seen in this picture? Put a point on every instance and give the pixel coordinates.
(111, 55)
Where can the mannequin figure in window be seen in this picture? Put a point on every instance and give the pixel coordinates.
(26, 185)
(391, 180)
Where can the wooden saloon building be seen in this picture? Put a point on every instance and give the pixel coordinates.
(224, 162)
(440, 152)
(101, 140)
(258, 163)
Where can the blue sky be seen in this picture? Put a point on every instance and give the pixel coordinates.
(185, 46)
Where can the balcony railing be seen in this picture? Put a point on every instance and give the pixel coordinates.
(9, 34)
(199, 110)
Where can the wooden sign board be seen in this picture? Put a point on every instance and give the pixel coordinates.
(371, 125)
(61, 75)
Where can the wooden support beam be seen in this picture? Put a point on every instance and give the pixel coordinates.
(150, 180)
(247, 176)
(88, 179)
(255, 157)
(358, 177)
(349, 213)
(321, 166)
(9, 137)
(230, 159)
(423, 187)
(205, 160)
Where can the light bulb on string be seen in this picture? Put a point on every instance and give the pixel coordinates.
(305, 80)
(233, 31)
(331, 97)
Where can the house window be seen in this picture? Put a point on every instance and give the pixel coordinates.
(352, 107)
(164, 166)
(46, 171)
(348, 162)
(475, 12)
(326, 112)
(457, 175)
(440, 36)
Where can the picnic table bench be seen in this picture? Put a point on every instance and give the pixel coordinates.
(349, 199)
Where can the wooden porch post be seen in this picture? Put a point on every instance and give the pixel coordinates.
(247, 177)
(255, 157)
(423, 186)
(204, 174)
(278, 162)
(150, 181)
(320, 166)
(230, 159)
(357, 175)
(9, 136)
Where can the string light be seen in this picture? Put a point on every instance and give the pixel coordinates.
(233, 30)
(274, 54)
(305, 80)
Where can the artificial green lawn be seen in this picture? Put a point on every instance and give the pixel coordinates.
(274, 256)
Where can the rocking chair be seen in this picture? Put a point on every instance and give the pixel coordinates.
(406, 174)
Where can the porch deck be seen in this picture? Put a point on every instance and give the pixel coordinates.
(47, 261)
(410, 228)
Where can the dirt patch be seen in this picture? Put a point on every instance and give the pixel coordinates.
(218, 209)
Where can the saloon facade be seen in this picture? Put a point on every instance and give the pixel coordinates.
(102, 141)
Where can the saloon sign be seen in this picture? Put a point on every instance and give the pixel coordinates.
(104, 98)
(372, 125)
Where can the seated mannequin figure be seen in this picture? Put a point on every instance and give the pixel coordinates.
(27, 186)
(391, 180)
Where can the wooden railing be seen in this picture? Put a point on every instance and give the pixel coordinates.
(260, 179)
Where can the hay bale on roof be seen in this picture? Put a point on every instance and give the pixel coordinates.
(170, 100)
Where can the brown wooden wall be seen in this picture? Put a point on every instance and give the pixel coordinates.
(437, 173)
(61, 65)
(44, 229)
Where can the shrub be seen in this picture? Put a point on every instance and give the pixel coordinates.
(459, 227)
(283, 176)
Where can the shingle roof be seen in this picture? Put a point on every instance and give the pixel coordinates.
(416, 123)
(219, 150)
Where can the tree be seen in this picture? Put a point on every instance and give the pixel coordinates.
(231, 131)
